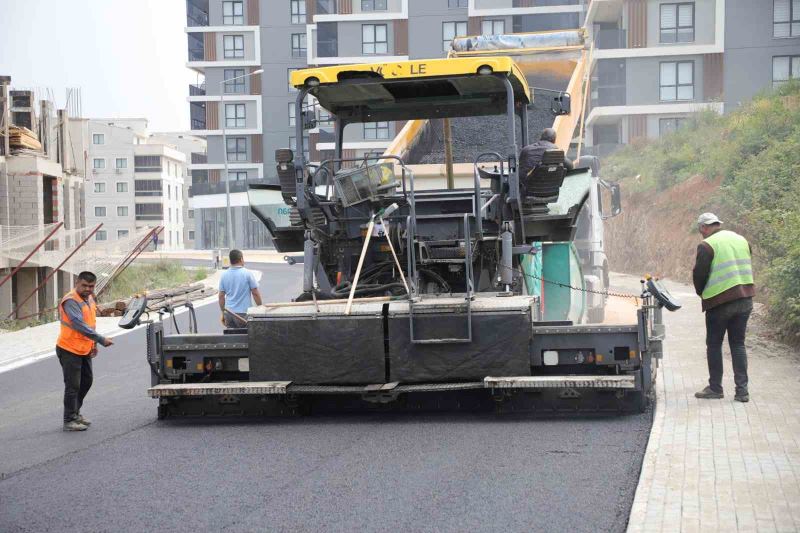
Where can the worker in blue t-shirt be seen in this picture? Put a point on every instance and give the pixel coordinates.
(236, 286)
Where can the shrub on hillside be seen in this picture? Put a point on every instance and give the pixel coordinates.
(755, 151)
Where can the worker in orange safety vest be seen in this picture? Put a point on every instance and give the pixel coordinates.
(77, 346)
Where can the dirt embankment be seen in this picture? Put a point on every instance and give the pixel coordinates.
(655, 233)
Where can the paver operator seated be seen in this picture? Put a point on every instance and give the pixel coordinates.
(76, 346)
(531, 156)
(723, 278)
(236, 286)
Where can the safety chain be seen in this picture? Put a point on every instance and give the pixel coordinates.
(581, 289)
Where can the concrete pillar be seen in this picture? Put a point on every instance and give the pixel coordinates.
(51, 291)
(5, 298)
(26, 282)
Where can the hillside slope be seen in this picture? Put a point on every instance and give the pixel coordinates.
(745, 167)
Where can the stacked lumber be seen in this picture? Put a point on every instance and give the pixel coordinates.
(160, 299)
(23, 138)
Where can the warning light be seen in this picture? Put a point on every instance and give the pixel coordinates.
(632, 354)
(169, 363)
(599, 358)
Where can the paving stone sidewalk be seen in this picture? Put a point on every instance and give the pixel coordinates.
(720, 465)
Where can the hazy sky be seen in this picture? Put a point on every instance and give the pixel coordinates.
(127, 56)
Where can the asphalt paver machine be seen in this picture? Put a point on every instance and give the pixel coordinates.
(414, 299)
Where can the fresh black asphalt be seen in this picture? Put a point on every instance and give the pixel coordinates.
(340, 472)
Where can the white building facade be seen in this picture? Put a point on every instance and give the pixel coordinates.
(133, 183)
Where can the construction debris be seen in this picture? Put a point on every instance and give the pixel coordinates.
(160, 299)
(23, 138)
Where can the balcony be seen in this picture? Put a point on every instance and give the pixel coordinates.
(611, 39)
(200, 189)
(609, 95)
(199, 159)
(196, 13)
(196, 47)
(197, 90)
(326, 7)
(197, 115)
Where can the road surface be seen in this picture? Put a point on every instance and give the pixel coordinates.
(371, 472)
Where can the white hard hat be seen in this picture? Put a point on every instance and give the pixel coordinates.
(706, 219)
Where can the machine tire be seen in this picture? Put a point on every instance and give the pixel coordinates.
(162, 412)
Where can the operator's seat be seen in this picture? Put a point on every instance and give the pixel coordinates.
(542, 184)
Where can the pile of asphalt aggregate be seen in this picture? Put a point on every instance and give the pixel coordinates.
(473, 136)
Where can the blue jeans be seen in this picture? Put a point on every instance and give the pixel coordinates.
(730, 317)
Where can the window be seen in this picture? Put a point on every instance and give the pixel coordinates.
(449, 32)
(373, 5)
(147, 163)
(292, 115)
(101, 235)
(298, 45)
(191, 235)
(493, 27)
(237, 148)
(233, 46)
(293, 145)
(149, 211)
(289, 71)
(677, 81)
(677, 23)
(121, 162)
(98, 163)
(373, 39)
(298, 10)
(238, 175)
(376, 130)
(98, 138)
(122, 186)
(234, 116)
(236, 85)
(122, 210)
(785, 68)
(99, 211)
(233, 13)
(456, 3)
(190, 214)
(669, 125)
(147, 188)
(786, 18)
(99, 187)
(122, 233)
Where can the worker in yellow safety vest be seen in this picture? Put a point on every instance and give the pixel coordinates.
(77, 346)
(723, 278)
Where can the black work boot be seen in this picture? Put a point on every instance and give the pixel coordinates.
(709, 394)
(742, 396)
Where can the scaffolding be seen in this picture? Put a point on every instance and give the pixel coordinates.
(72, 251)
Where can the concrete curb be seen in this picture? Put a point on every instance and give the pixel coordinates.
(636, 519)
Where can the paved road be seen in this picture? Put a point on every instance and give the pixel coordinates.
(453, 471)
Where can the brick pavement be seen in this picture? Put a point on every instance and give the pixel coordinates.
(720, 465)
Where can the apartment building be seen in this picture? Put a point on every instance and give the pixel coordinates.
(133, 183)
(228, 40)
(191, 146)
(657, 62)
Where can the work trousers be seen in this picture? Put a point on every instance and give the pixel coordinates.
(77, 380)
(730, 317)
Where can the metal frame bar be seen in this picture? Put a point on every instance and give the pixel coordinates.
(51, 274)
(27, 257)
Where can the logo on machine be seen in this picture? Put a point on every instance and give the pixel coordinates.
(396, 70)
